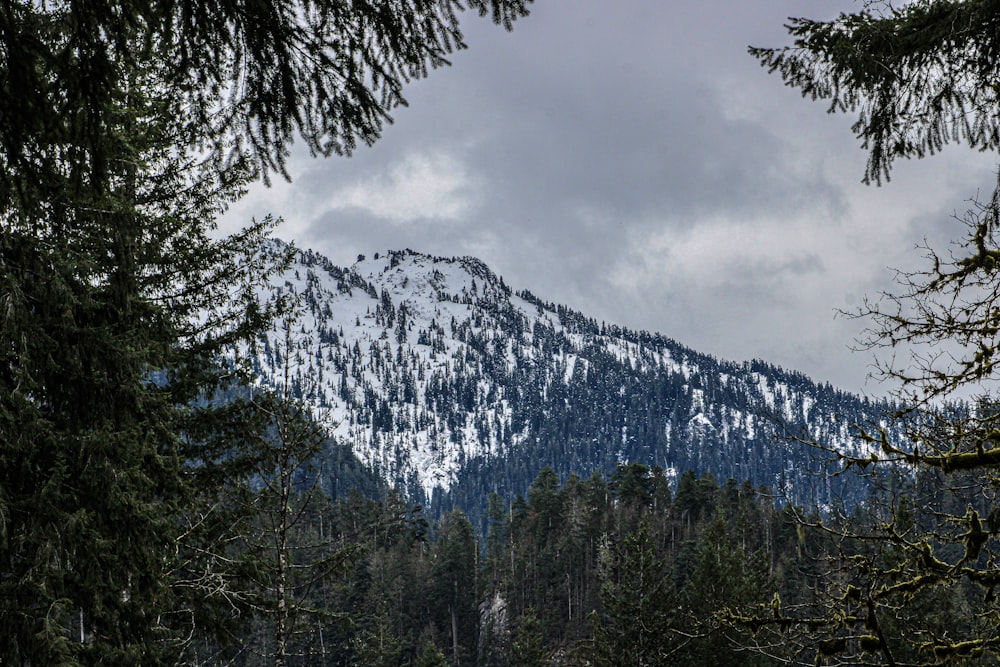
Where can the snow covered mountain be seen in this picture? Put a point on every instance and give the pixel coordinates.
(448, 383)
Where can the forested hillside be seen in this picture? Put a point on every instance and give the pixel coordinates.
(450, 386)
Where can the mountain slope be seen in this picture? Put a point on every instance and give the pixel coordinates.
(447, 382)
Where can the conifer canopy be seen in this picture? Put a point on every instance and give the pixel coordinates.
(920, 75)
(125, 128)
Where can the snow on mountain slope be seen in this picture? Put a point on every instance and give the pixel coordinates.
(424, 364)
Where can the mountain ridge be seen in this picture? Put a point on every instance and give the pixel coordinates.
(450, 384)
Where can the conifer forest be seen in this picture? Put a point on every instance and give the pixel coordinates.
(217, 449)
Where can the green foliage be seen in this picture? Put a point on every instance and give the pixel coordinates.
(405, 600)
(108, 446)
(326, 71)
(912, 577)
(527, 649)
(633, 579)
(453, 591)
(921, 75)
(431, 656)
(125, 128)
(639, 626)
(728, 579)
(748, 584)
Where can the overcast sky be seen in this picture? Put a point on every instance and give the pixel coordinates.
(629, 159)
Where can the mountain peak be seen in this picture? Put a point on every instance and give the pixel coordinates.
(408, 271)
(432, 369)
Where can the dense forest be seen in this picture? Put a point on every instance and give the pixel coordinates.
(591, 571)
(616, 570)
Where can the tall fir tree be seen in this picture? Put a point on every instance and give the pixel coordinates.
(454, 590)
(640, 605)
(125, 127)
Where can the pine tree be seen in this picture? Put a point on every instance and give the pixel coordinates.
(103, 361)
(431, 656)
(526, 649)
(638, 627)
(724, 578)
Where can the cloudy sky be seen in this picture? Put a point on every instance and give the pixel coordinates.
(630, 160)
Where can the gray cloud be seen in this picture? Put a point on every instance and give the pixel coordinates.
(631, 160)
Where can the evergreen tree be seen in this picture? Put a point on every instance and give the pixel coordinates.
(431, 656)
(116, 307)
(125, 127)
(640, 606)
(526, 649)
(921, 75)
(376, 644)
(724, 578)
(496, 539)
(454, 587)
